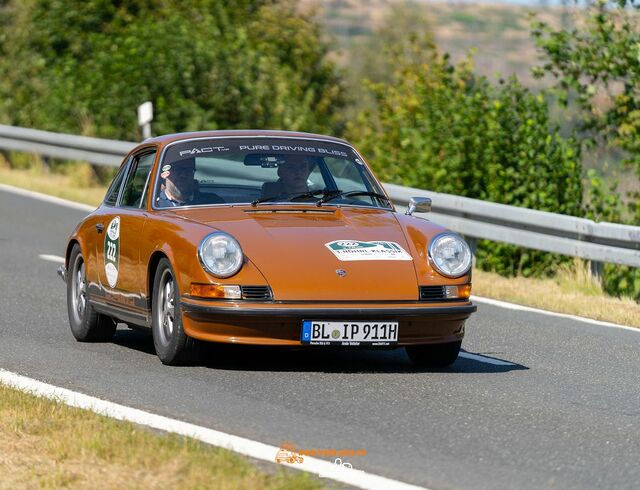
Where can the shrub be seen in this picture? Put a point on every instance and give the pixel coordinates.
(440, 127)
(69, 65)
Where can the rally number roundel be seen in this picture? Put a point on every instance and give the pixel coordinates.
(112, 251)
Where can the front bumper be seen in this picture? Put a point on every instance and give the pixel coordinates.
(280, 323)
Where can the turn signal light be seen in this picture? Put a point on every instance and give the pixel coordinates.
(216, 291)
(461, 291)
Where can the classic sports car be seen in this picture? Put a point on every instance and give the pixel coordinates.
(264, 237)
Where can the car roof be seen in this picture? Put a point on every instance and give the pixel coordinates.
(170, 138)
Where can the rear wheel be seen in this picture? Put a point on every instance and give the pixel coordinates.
(172, 345)
(87, 325)
(434, 355)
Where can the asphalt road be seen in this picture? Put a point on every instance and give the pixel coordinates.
(565, 415)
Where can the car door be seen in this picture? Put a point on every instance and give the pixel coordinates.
(119, 252)
(95, 239)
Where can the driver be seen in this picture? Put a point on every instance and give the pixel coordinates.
(292, 177)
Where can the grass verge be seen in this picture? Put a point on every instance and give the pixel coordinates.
(74, 187)
(46, 444)
(572, 291)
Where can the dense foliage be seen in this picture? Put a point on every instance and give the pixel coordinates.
(598, 62)
(83, 66)
(439, 127)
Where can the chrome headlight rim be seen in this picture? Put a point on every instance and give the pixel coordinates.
(434, 263)
(203, 263)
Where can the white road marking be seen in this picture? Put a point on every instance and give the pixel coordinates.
(52, 258)
(46, 198)
(248, 447)
(529, 309)
(487, 360)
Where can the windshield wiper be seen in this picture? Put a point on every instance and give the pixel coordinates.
(292, 197)
(351, 194)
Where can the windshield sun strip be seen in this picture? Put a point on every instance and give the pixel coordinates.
(156, 174)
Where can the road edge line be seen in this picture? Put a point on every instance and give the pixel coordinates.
(47, 198)
(485, 359)
(237, 444)
(531, 309)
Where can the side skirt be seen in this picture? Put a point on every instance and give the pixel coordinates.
(123, 314)
(137, 314)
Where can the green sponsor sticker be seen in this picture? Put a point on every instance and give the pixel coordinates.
(350, 250)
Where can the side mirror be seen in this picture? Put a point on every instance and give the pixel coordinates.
(419, 204)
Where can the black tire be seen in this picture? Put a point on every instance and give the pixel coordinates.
(434, 355)
(87, 325)
(173, 346)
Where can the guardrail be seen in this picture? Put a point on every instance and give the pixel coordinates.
(66, 146)
(476, 219)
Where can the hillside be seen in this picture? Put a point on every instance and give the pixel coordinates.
(498, 33)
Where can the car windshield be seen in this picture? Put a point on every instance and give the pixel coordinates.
(261, 171)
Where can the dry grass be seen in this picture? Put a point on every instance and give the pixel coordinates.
(572, 291)
(46, 444)
(78, 186)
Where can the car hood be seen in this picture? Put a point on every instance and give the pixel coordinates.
(290, 246)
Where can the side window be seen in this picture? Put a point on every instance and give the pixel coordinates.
(345, 174)
(315, 180)
(134, 188)
(112, 193)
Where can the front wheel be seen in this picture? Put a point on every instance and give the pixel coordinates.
(434, 355)
(172, 345)
(87, 325)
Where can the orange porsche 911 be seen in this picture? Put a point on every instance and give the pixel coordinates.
(269, 238)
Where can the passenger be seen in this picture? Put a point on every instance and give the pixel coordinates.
(293, 175)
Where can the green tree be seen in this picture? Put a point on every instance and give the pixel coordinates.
(406, 33)
(440, 127)
(83, 66)
(598, 60)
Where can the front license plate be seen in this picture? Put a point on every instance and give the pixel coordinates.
(320, 332)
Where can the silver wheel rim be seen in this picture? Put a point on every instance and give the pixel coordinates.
(165, 312)
(79, 290)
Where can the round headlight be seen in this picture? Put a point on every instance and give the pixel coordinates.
(450, 255)
(220, 254)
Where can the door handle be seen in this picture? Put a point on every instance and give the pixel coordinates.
(100, 227)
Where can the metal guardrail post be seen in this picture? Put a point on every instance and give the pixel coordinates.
(597, 271)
